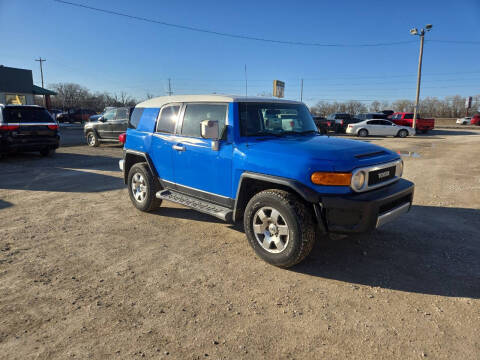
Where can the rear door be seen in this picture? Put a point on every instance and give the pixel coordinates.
(119, 125)
(163, 140)
(374, 127)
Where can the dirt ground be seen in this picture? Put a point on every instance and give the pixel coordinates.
(85, 275)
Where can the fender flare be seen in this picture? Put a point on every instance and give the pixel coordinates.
(308, 194)
(147, 158)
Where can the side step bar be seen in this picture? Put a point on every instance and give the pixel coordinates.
(206, 207)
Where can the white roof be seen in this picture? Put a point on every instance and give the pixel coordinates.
(162, 100)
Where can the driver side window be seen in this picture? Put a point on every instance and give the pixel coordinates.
(196, 113)
(110, 115)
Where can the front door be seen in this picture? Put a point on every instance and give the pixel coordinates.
(104, 127)
(200, 170)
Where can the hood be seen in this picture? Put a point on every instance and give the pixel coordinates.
(318, 153)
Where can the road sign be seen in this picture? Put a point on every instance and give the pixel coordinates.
(278, 88)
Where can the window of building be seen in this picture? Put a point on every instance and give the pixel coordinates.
(15, 99)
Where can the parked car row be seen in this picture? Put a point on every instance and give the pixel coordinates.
(343, 123)
(475, 120)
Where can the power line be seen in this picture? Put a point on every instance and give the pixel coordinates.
(237, 36)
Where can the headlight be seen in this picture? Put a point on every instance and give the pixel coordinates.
(331, 178)
(358, 180)
(399, 169)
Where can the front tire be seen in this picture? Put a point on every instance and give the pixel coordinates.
(92, 139)
(402, 133)
(279, 227)
(142, 188)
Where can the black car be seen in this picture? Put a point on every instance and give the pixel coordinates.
(27, 128)
(107, 127)
(369, 116)
(322, 124)
(340, 121)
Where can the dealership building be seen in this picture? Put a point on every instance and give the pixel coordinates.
(16, 87)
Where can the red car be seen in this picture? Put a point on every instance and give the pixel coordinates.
(406, 119)
(475, 120)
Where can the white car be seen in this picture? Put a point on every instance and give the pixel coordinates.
(464, 120)
(379, 128)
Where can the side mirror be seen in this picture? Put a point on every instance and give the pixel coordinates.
(209, 129)
(101, 119)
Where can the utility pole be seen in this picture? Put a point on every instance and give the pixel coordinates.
(301, 90)
(169, 87)
(414, 31)
(40, 60)
(246, 83)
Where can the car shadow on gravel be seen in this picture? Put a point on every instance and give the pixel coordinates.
(185, 213)
(5, 204)
(34, 160)
(431, 250)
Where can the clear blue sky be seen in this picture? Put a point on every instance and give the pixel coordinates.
(109, 53)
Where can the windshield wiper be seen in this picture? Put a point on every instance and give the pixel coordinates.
(299, 132)
(264, 134)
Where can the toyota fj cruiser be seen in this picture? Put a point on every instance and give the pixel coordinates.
(263, 161)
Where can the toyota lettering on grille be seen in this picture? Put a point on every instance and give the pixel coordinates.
(383, 174)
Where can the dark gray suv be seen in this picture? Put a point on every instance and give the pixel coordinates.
(107, 127)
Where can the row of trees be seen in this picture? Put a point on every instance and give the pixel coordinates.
(448, 107)
(74, 96)
(70, 96)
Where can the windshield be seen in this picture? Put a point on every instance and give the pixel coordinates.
(258, 119)
(25, 114)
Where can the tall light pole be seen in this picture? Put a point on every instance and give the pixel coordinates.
(40, 60)
(414, 31)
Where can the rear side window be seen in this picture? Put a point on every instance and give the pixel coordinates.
(135, 118)
(25, 115)
(408, 116)
(196, 113)
(122, 114)
(168, 119)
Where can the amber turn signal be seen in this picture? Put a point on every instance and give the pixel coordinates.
(331, 178)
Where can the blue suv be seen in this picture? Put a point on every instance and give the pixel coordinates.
(263, 161)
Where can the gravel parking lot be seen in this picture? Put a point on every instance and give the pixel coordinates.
(83, 274)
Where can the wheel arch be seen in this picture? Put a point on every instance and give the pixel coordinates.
(131, 158)
(252, 183)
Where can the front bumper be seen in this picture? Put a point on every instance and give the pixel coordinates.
(363, 212)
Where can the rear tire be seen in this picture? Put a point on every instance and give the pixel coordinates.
(402, 133)
(279, 227)
(362, 133)
(142, 188)
(92, 139)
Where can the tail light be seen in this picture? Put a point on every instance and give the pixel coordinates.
(122, 138)
(341, 122)
(292, 124)
(53, 127)
(350, 126)
(9, 127)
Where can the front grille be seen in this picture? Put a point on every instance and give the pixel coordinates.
(378, 176)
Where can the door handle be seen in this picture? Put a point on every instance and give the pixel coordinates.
(178, 147)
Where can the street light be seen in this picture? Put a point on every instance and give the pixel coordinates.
(420, 33)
